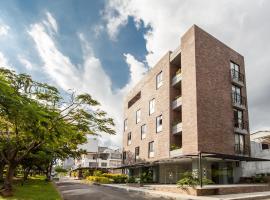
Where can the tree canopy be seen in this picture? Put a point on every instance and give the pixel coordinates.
(35, 117)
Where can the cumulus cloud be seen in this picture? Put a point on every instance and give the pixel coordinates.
(4, 62)
(25, 62)
(88, 77)
(4, 29)
(243, 25)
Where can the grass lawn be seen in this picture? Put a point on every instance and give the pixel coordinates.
(36, 188)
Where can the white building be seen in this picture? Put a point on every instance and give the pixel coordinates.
(98, 157)
(260, 148)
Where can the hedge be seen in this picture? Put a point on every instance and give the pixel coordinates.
(99, 179)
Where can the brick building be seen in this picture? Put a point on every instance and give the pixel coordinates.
(189, 113)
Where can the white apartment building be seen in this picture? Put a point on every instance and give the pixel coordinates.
(260, 148)
(98, 157)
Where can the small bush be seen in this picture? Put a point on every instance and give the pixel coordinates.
(85, 173)
(74, 174)
(131, 180)
(191, 180)
(117, 178)
(97, 173)
(99, 179)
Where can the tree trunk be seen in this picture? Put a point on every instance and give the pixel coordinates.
(9, 179)
(2, 167)
(25, 174)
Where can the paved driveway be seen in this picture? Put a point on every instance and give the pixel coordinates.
(74, 190)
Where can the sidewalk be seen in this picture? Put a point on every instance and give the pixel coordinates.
(175, 196)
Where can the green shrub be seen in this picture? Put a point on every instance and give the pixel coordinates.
(85, 173)
(130, 179)
(99, 179)
(117, 178)
(59, 169)
(97, 173)
(190, 179)
(74, 174)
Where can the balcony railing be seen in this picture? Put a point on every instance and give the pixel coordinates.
(237, 77)
(240, 126)
(177, 103)
(241, 149)
(177, 80)
(177, 128)
(238, 100)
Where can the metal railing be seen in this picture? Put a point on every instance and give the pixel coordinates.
(238, 99)
(241, 149)
(237, 76)
(241, 124)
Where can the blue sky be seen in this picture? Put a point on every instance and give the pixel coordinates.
(72, 17)
(105, 47)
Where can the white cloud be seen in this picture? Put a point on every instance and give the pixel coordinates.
(4, 62)
(52, 21)
(4, 29)
(137, 69)
(88, 77)
(25, 62)
(243, 25)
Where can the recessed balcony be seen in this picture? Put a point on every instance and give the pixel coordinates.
(237, 77)
(241, 149)
(176, 81)
(241, 127)
(238, 101)
(177, 103)
(177, 128)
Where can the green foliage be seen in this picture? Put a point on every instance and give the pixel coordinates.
(97, 173)
(99, 179)
(131, 179)
(190, 179)
(38, 125)
(146, 177)
(117, 178)
(59, 169)
(74, 174)
(85, 173)
(174, 147)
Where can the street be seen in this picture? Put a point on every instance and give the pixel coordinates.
(74, 190)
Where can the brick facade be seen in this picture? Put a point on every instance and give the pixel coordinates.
(206, 90)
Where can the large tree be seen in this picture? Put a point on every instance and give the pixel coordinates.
(37, 115)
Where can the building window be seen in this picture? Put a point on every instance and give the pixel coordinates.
(143, 131)
(265, 146)
(129, 138)
(238, 119)
(151, 149)
(239, 143)
(152, 103)
(103, 164)
(235, 71)
(137, 152)
(159, 123)
(236, 94)
(125, 124)
(159, 80)
(138, 116)
(124, 155)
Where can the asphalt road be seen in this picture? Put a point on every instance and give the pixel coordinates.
(74, 190)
